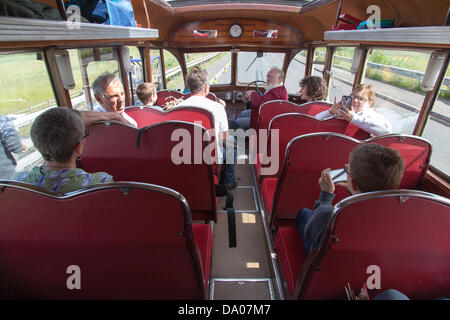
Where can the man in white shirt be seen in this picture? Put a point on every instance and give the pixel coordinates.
(109, 92)
(197, 81)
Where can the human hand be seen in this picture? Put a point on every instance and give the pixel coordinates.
(345, 114)
(248, 95)
(221, 102)
(335, 108)
(325, 181)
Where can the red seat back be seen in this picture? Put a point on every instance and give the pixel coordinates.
(165, 96)
(115, 233)
(403, 233)
(145, 155)
(291, 125)
(416, 153)
(146, 116)
(306, 157)
(271, 109)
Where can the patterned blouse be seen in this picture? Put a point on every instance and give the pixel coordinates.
(62, 181)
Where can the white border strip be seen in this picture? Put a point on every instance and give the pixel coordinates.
(268, 280)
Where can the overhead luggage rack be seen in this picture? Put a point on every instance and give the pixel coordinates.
(436, 35)
(36, 30)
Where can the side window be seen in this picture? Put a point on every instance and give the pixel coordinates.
(26, 92)
(156, 67)
(87, 64)
(135, 74)
(174, 75)
(295, 73)
(318, 61)
(341, 82)
(396, 76)
(437, 129)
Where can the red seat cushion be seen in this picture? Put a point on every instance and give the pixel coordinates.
(291, 253)
(268, 187)
(204, 240)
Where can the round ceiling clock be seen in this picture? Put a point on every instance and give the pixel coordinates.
(235, 30)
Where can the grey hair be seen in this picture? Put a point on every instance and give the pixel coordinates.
(102, 82)
(280, 72)
(56, 132)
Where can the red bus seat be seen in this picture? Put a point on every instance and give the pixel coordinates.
(146, 116)
(114, 233)
(306, 157)
(416, 153)
(271, 109)
(165, 96)
(403, 233)
(309, 154)
(145, 155)
(291, 125)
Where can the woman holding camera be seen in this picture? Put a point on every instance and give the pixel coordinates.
(361, 113)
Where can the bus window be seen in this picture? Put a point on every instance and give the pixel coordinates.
(78, 97)
(26, 92)
(93, 63)
(174, 75)
(251, 67)
(396, 76)
(156, 67)
(341, 82)
(218, 65)
(437, 128)
(135, 74)
(318, 61)
(295, 73)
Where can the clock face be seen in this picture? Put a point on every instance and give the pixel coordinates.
(235, 30)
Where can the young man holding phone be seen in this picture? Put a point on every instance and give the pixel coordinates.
(372, 167)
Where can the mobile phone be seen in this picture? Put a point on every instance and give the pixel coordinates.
(346, 101)
(338, 175)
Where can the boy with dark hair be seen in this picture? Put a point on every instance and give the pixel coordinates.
(371, 167)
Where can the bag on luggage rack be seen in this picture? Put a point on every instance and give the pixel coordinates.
(112, 12)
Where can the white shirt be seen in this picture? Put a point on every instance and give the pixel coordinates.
(219, 114)
(368, 120)
(99, 108)
(217, 110)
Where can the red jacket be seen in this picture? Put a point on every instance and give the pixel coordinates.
(278, 93)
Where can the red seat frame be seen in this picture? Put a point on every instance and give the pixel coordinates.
(308, 155)
(145, 155)
(402, 232)
(129, 240)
